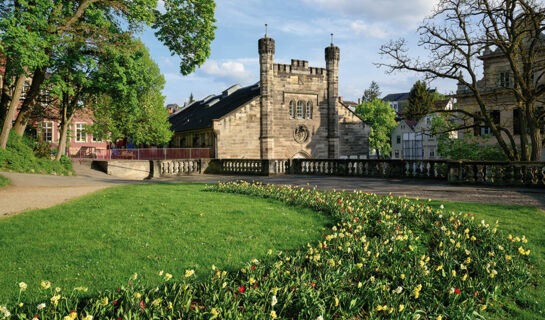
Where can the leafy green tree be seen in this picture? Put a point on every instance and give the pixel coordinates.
(420, 101)
(130, 104)
(372, 93)
(31, 31)
(381, 117)
(467, 147)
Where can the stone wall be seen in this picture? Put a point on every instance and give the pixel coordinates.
(237, 134)
(353, 134)
(293, 84)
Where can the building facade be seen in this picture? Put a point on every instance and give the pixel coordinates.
(413, 139)
(292, 112)
(46, 125)
(497, 78)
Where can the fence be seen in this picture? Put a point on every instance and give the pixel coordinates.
(469, 172)
(144, 154)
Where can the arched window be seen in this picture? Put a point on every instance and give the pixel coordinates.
(309, 110)
(300, 112)
(292, 110)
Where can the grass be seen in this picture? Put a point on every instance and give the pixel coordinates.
(530, 302)
(4, 181)
(99, 240)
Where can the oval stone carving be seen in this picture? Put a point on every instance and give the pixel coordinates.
(301, 134)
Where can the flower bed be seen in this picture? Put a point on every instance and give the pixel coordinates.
(387, 257)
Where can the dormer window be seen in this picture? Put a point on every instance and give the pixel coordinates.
(292, 110)
(300, 111)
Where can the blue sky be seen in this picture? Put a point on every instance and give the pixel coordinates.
(302, 30)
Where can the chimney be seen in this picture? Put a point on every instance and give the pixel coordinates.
(359, 100)
(341, 99)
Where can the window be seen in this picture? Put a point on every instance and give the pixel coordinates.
(482, 130)
(516, 121)
(309, 110)
(504, 79)
(432, 154)
(47, 131)
(45, 97)
(292, 110)
(398, 139)
(80, 132)
(26, 87)
(96, 139)
(397, 154)
(300, 112)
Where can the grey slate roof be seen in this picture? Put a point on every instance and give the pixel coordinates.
(400, 96)
(199, 115)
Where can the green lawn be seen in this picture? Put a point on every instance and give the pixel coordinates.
(98, 241)
(516, 220)
(4, 181)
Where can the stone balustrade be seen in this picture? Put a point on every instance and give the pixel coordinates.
(468, 172)
(180, 167)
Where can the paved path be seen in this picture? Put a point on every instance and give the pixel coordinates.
(31, 191)
(423, 189)
(35, 191)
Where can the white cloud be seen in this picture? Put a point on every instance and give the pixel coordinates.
(405, 13)
(228, 71)
(370, 30)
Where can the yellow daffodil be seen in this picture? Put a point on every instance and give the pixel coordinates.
(189, 273)
(45, 284)
(22, 286)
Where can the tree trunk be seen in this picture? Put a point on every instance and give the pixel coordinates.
(5, 96)
(28, 105)
(14, 103)
(62, 139)
(537, 147)
(524, 135)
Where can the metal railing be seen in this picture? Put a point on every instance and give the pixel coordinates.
(144, 154)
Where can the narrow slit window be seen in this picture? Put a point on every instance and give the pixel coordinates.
(292, 110)
(309, 110)
(300, 112)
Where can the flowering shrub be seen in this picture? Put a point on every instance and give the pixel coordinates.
(387, 257)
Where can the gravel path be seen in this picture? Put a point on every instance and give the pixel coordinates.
(32, 191)
(35, 191)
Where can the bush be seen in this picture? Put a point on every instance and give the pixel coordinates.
(387, 257)
(4, 181)
(19, 156)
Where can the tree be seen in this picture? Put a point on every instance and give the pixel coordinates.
(191, 99)
(381, 117)
(420, 101)
(130, 103)
(457, 34)
(372, 93)
(30, 32)
(467, 147)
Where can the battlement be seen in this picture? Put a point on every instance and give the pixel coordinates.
(298, 67)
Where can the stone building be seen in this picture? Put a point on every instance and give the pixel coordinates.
(494, 87)
(292, 112)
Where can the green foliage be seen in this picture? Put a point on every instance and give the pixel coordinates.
(372, 93)
(187, 29)
(131, 104)
(386, 257)
(420, 101)
(4, 181)
(19, 157)
(466, 148)
(381, 117)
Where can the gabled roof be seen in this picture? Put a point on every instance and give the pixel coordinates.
(199, 115)
(411, 123)
(400, 96)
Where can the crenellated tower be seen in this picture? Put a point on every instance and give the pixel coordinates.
(266, 63)
(332, 57)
